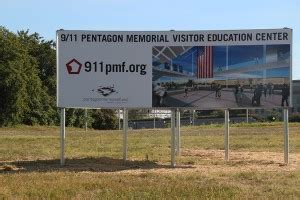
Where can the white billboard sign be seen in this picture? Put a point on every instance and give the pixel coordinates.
(202, 69)
(95, 70)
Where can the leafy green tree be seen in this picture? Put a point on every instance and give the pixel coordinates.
(137, 114)
(23, 99)
(76, 117)
(45, 54)
(28, 85)
(104, 119)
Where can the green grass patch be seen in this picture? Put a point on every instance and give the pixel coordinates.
(29, 164)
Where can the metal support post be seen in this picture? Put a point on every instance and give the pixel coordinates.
(62, 136)
(173, 135)
(193, 117)
(178, 143)
(227, 63)
(247, 115)
(154, 119)
(85, 119)
(286, 135)
(125, 133)
(226, 134)
(119, 118)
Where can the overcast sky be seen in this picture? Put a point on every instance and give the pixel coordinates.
(45, 17)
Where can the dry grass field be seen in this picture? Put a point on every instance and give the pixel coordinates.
(29, 164)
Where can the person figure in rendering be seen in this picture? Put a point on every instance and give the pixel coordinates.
(285, 92)
(239, 93)
(272, 89)
(265, 90)
(269, 87)
(236, 91)
(160, 93)
(185, 91)
(218, 89)
(257, 95)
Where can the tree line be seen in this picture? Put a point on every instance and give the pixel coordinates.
(28, 85)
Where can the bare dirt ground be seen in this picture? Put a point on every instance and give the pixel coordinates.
(238, 162)
(243, 161)
(206, 161)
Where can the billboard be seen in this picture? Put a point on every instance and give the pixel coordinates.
(194, 69)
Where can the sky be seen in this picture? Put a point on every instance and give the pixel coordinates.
(45, 17)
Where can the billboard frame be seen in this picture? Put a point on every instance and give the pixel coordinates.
(176, 136)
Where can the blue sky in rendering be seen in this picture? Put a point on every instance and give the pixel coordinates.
(238, 57)
(45, 17)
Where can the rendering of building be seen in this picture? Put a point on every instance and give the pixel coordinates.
(248, 71)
